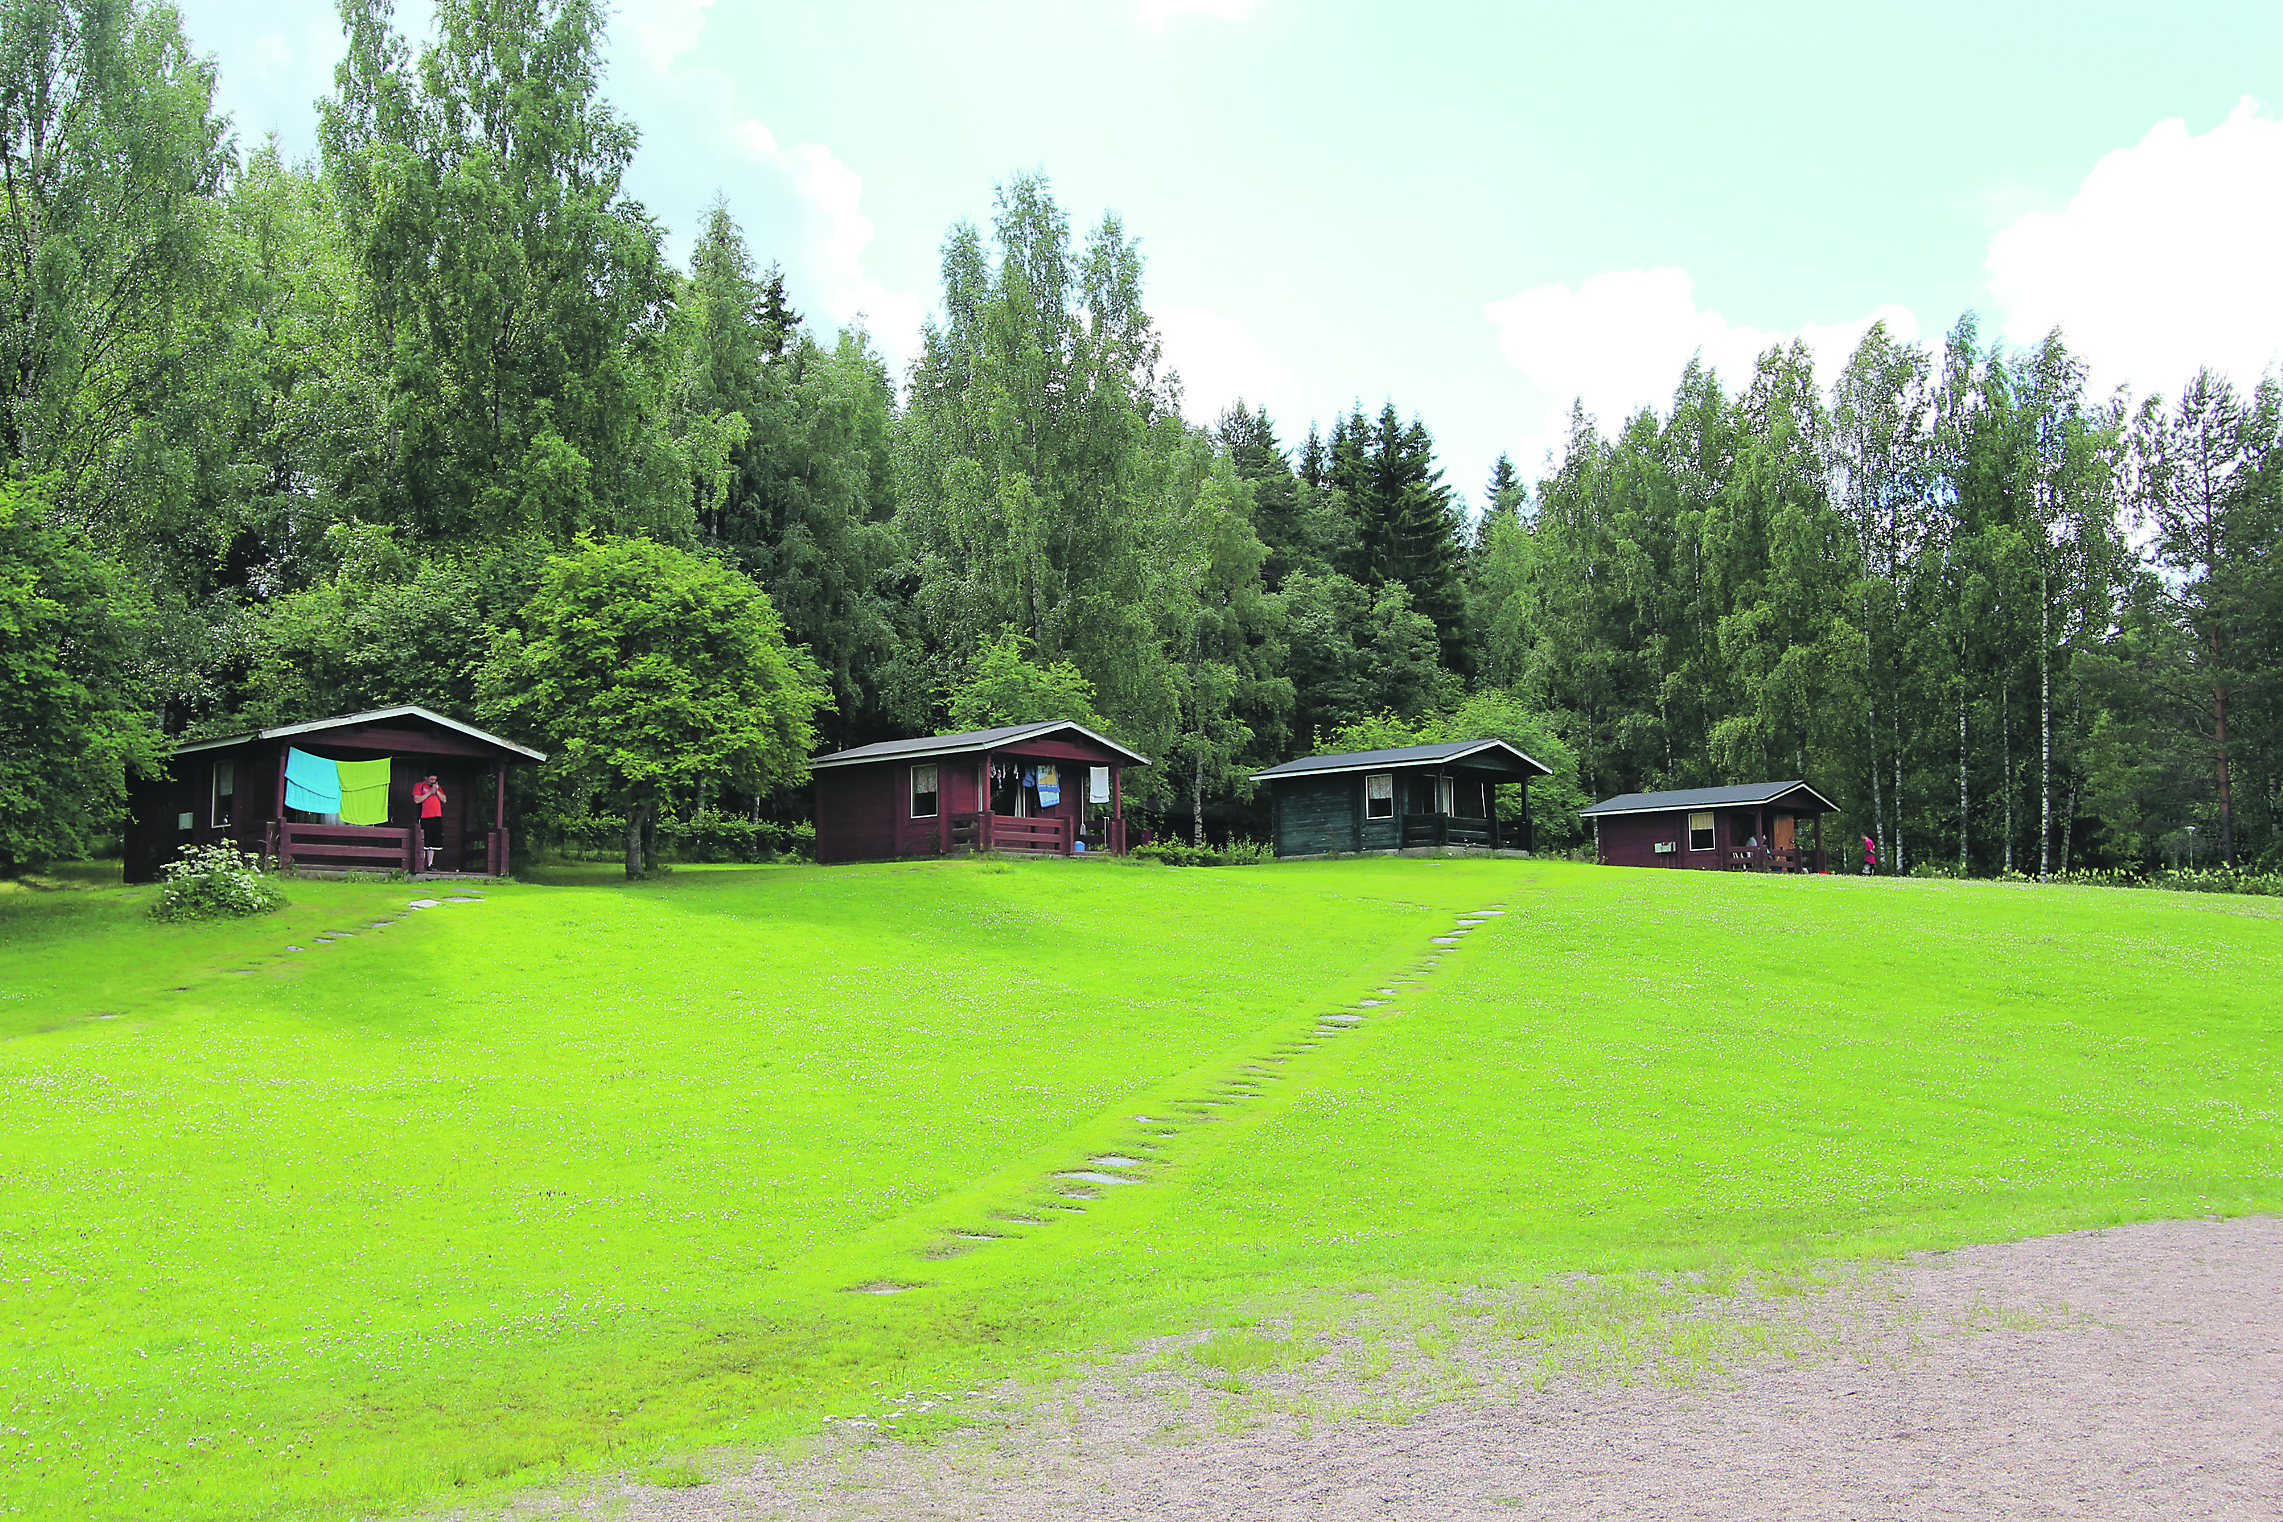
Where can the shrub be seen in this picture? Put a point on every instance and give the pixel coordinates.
(2175, 880)
(1237, 853)
(215, 882)
(708, 837)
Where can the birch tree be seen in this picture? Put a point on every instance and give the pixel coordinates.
(1881, 413)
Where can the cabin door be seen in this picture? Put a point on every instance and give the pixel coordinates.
(1780, 832)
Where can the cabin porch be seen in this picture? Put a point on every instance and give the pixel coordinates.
(1773, 840)
(1049, 836)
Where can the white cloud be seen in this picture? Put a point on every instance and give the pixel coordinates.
(664, 29)
(1620, 340)
(835, 193)
(1218, 361)
(1159, 12)
(2164, 260)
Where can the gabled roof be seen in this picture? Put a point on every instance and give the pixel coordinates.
(974, 739)
(1404, 755)
(319, 726)
(1734, 796)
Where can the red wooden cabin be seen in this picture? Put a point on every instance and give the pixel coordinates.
(985, 790)
(233, 788)
(1750, 827)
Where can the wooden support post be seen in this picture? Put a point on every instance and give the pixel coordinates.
(1527, 839)
(284, 857)
(1118, 808)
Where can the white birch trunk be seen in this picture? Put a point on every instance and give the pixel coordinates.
(2005, 762)
(1871, 731)
(1963, 799)
(2044, 729)
(1894, 711)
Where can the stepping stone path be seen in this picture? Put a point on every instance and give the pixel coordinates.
(1243, 1087)
(425, 903)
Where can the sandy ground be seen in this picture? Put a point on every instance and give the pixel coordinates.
(2133, 1372)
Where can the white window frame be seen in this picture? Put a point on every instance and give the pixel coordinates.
(1709, 832)
(215, 795)
(1371, 780)
(934, 791)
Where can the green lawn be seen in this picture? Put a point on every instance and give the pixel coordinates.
(583, 1176)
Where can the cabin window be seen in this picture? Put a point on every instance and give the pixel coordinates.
(225, 791)
(1700, 832)
(923, 791)
(1379, 795)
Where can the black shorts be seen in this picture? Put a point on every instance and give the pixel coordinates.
(432, 832)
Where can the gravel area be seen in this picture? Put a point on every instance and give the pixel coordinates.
(2132, 1372)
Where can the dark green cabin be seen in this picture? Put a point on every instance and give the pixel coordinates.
(1413, 798)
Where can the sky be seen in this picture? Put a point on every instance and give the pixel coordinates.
(1480, 212)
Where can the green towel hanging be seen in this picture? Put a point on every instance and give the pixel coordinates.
(364, 791)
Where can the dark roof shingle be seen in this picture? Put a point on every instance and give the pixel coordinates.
(966, 740)
(1703, 798)
(1402, 755)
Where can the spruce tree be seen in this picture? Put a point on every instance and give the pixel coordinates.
(1250, 439)
(780, 324)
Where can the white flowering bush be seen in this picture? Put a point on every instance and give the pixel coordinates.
(215, 882)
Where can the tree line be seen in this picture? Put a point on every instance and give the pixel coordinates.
(285, 440)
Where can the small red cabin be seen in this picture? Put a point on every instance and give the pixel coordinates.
(1055, 789)
(1751, 827)
(234, 789)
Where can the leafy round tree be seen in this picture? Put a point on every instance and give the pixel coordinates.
(69, 725)
(660, 672)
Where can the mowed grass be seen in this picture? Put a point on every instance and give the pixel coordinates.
(586, 1176)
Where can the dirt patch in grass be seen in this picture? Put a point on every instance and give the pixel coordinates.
(2135, 1371)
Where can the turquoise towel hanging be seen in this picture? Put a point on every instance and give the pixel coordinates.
(312, 783)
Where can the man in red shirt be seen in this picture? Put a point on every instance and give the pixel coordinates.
(429, 794)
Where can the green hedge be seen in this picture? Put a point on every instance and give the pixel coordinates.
(1172, 853)
(2175, 880)
(709, 837)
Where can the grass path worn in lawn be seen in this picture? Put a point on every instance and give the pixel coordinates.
(583, 1175)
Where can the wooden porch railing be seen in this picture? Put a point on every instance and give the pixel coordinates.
(380, 847)
(1005, 832)
(1775, 859)
(1448, 830)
